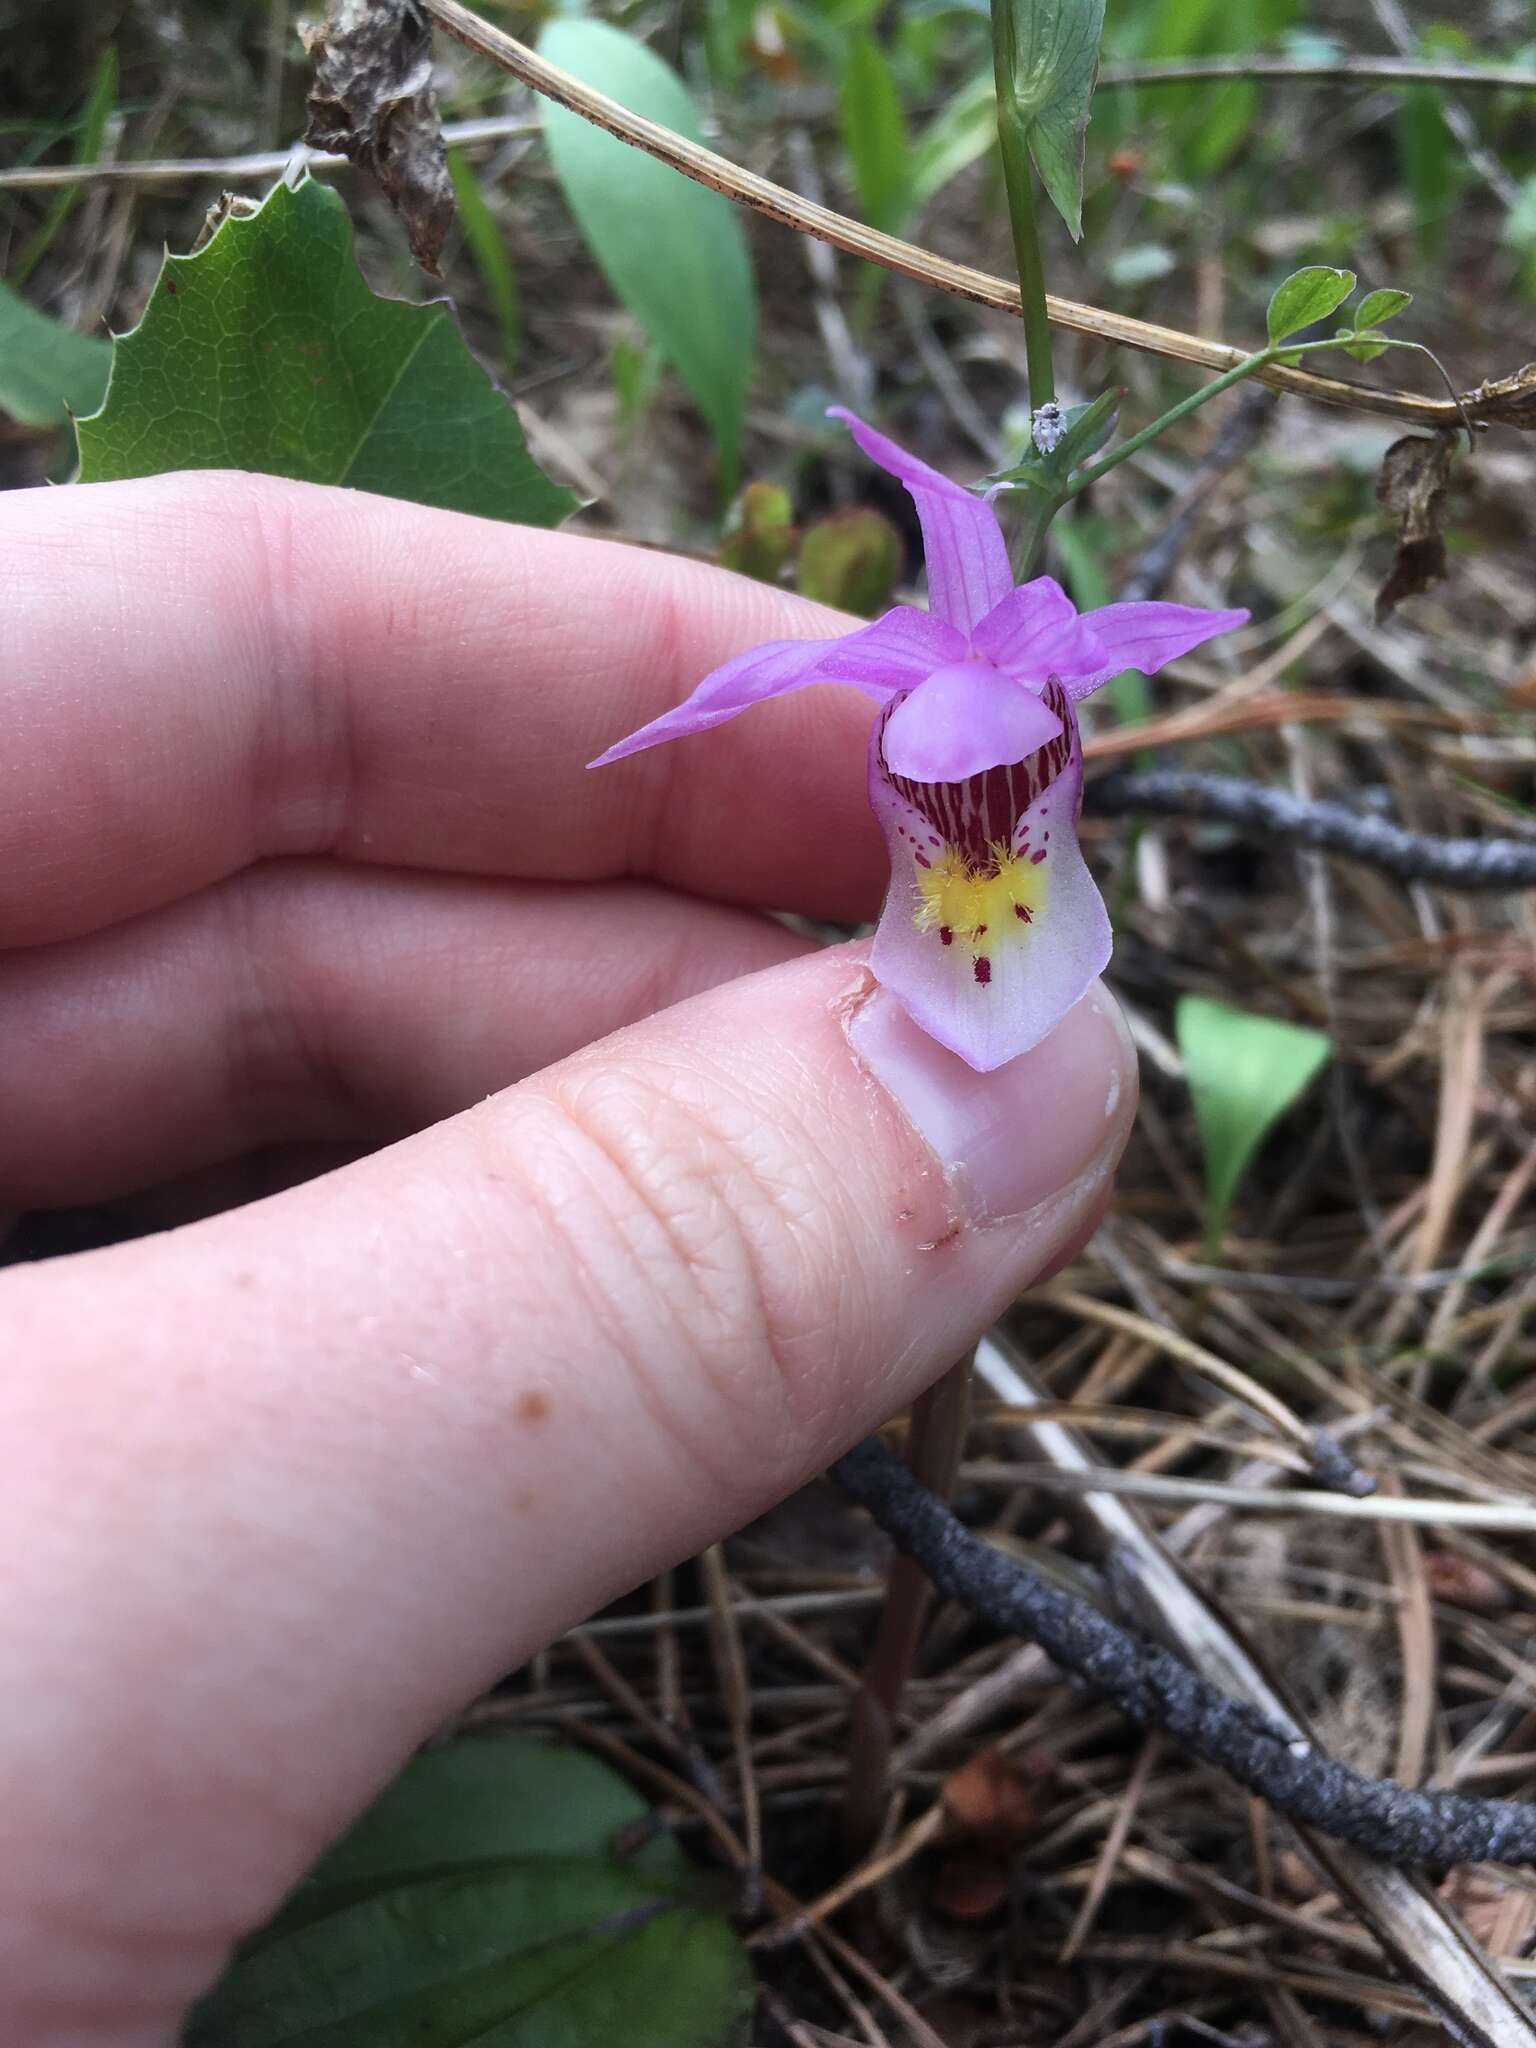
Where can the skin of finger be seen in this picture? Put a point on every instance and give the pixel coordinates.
(247, 667)
(287, 1487)
(311, 1001)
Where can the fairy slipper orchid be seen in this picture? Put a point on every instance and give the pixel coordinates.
(993, 926)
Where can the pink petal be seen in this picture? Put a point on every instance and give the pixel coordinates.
(1144, 636)
(963, 544)
(891, 653)
(1035, 632)
(964, 719)
(991, 998)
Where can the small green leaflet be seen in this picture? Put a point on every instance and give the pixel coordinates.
(268, 351)
(501, 1892)
(47, 369)
(1308, 295)
(1047, 60)
(1244, 1073)
(673, 251)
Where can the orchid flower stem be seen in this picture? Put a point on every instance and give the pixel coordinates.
(1031, 513)
(935, 1443)
(1019, 185)
(1246, 368)
(1026, 255)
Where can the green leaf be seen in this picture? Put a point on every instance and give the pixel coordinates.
(1244, 1072)
(487, 245)
(1365, 344)
(673, 251)
(267, 351)
(1427, 159)
(491, 1895)
(1380, 306)
(90, 137)
(964, 128)
(47, 369)
(1308, 295)
(874, 134)
(1048, 60)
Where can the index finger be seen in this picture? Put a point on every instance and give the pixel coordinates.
(201, 671)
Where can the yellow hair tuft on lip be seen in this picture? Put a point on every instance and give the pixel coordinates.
(980, 908)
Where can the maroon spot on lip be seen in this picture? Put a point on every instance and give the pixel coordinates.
(1022, 912)
(1036, 857)
(983, 970)
(946, 936)
(922, 860)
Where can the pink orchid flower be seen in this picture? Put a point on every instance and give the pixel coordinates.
(993, 926)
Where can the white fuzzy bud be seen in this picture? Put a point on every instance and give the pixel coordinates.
(1046, 427)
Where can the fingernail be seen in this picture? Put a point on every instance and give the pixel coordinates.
(1008, 1140)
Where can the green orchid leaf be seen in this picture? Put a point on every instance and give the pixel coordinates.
(875, 134)
(1381, 305)
(47, 370)
(1308, 295)
(673, 251)
(266, 350)
(502, 1892)
(1244, 1073)
(1047, 64)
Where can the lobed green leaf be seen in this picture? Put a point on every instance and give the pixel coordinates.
(266, 350)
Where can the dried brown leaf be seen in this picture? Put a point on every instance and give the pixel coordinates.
(1412, 486)
(1505, 401)
(372, 101)
(997, 1799)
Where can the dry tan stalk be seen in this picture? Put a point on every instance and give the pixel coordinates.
(873, 1870)
(1187, 1353)
(1111, 1850)
(746, 188)
(1403, 1552)
(735, 1690)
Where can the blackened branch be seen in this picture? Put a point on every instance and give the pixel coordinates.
(1155, 1690)
(1329, 827)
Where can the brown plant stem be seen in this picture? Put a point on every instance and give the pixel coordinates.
(935, 1443)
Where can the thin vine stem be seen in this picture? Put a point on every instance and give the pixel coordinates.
(939, 273)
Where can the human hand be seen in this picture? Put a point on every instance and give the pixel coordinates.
(297, 848)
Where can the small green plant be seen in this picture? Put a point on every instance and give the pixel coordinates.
(502, 1890)
(1244, 1072)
